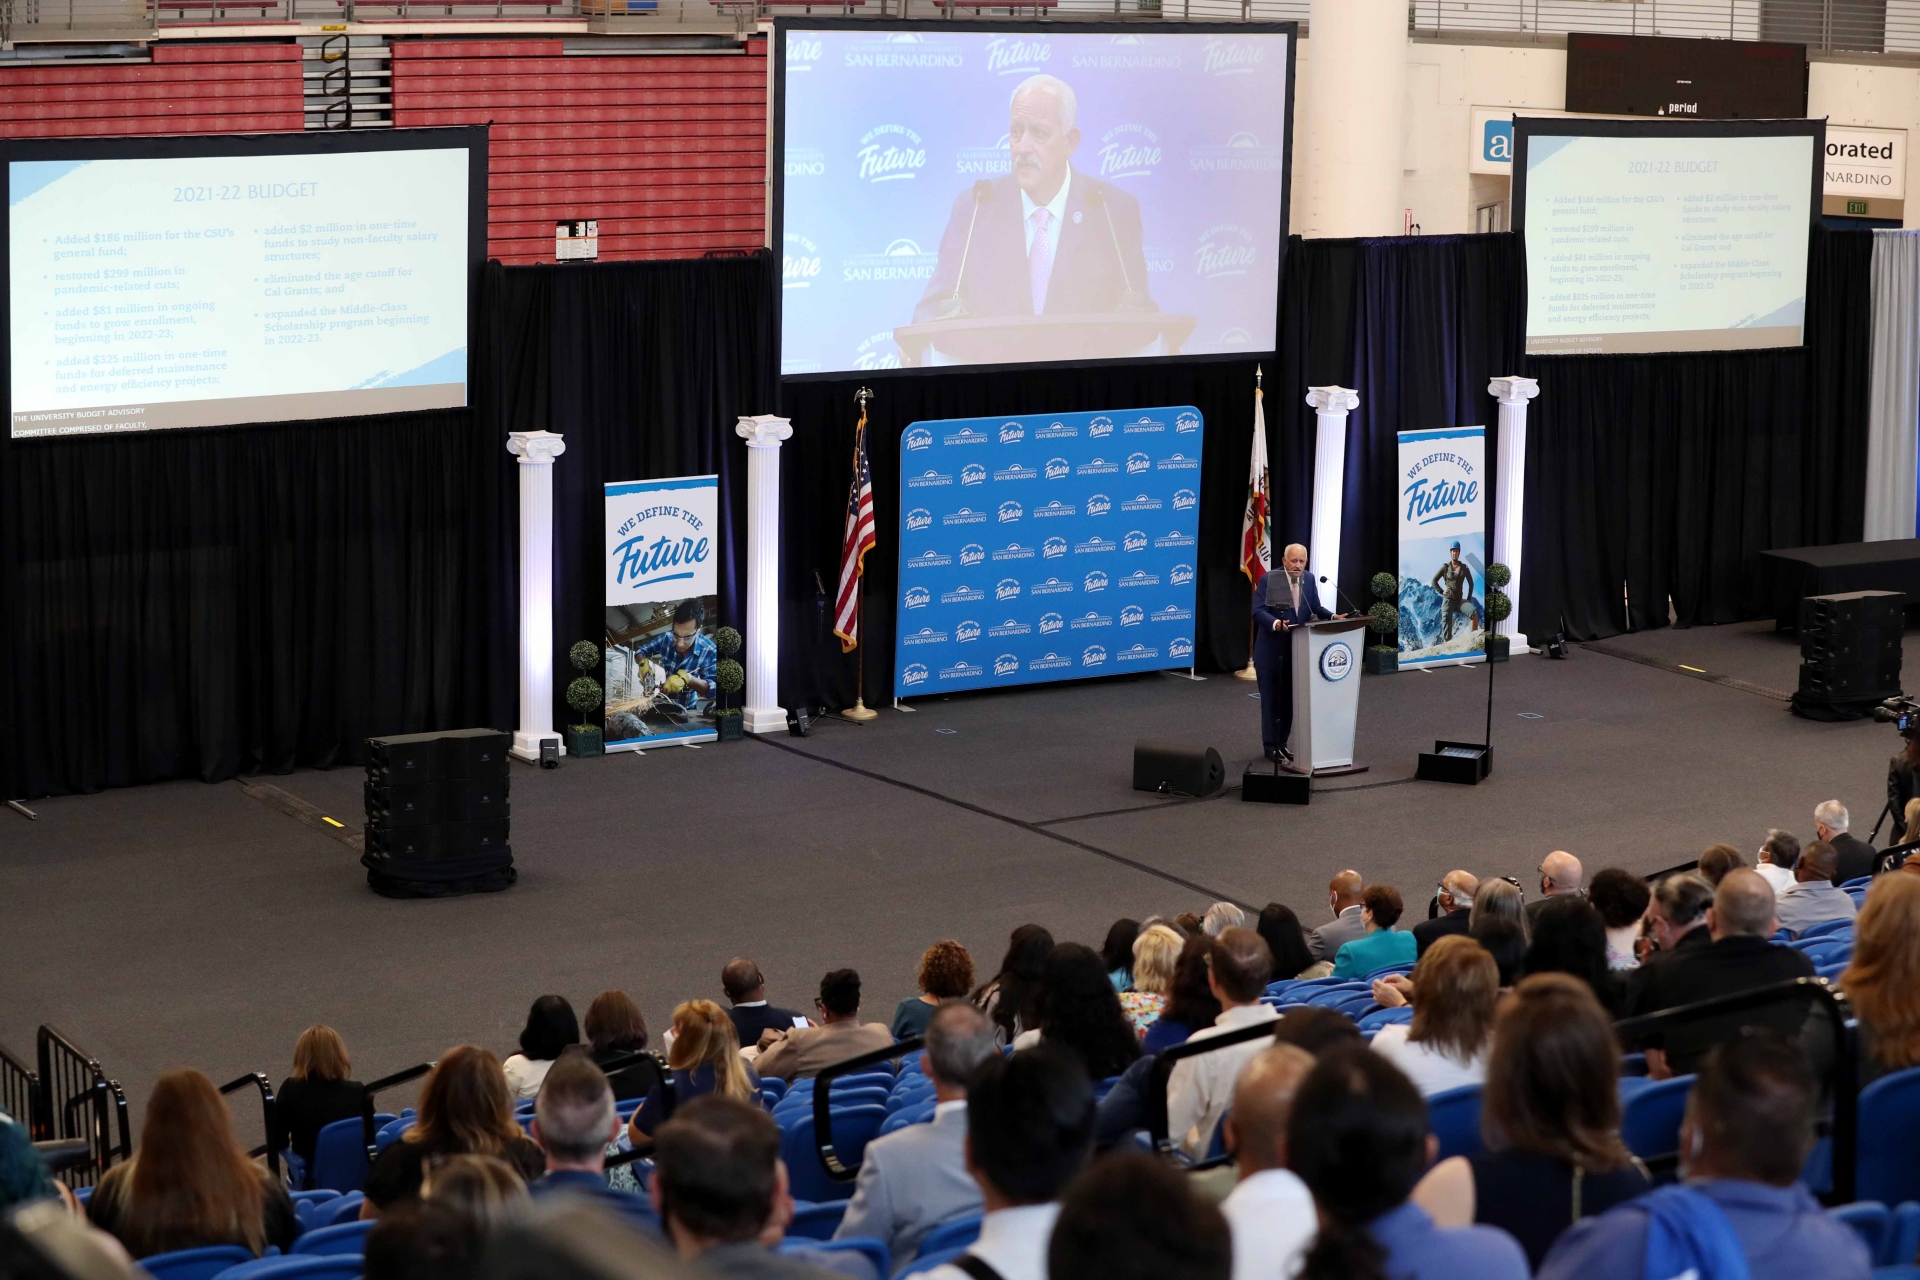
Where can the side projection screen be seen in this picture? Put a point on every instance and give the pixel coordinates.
(1003, 196)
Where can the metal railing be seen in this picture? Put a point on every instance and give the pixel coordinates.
(1846, 26)
(20, 1093)
(72, 1083)
(258, 1080)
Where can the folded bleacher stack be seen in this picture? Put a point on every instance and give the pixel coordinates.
(437, 814)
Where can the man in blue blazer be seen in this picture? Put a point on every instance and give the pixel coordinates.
(1283, 598)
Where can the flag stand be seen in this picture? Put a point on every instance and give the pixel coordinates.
(1259, 425)
(860, 712)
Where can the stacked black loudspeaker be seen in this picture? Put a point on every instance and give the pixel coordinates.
(437, 816)
(1849, 653)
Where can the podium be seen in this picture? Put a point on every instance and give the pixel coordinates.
(1326, 695)
(1104, 335)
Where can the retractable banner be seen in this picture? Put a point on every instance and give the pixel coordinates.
(1046, 547)
(663, 557)
(1443, 546)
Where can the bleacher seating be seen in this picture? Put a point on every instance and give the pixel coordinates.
(1454, 1117)
(195, 1264)
(342, 1237)
(1888, 1168)
(817, 1221)
(1650, 1113)
(338, 1266)
(873, 1251)
(340, 1155)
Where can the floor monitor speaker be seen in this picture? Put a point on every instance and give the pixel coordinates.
(1166, 768)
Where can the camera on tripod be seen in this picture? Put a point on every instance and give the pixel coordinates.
(1902, 712)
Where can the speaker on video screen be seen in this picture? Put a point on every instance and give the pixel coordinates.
(1165, 767)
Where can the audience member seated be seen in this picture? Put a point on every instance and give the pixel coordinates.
(1029, 1130)
(1316, 1030)
(914, 1179)
(1621, 898)
(1454, 989)
(1854, 857)
(1117, 953)
(1188, 923)
(23, 1173)
(615, 1029)
(550, 1028)
(1358, 1138)
(1220, 917)
(1191, 1003)
(946, 973)
(1130, 1217)
(1080, 1014)
(1570, 937)
(1882, 981)
(1499, 899)
(1551, 1116)
(721, 1191)
(746, 992)
(1910, 823)
(704, 1059)
(1748, 1128)
(1778, 852)
(1812, 899)
(1383, 945)
(1009, 997)
(316, 1094)
(1739, 958)
(190, 1184)
(1676, 923)
(425, 1242)
(1269, 1210)
(1717, 861)
(573, 1121)
(799, 1052)
(1343, 900)
(1560, 875)
(486, 1189)
(1155, 954)
(1201, 1088)
(464, 1109)
(1504, 939)
(1286, 940)
(1455, 901)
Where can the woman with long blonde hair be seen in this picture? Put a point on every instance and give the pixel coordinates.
(705, 1058)
(1882, 981)
(465, 1109)
(190, 1183)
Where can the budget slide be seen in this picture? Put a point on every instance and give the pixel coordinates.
(206, 283)
(1665, 236)
(1023, 194)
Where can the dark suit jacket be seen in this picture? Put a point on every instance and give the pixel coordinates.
(1695, 972)
(1088, 273)
(750, 1021)
(1269, 644)
(1428, 932)
(1856, 858)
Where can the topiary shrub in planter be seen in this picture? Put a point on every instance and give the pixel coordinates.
(585, 695)
(731, 678)
(1499, 609)
(1383, 619)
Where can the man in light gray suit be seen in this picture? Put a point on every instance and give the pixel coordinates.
(914, 1179)
(1343, 897)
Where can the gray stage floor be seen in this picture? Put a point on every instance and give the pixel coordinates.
(193, 924)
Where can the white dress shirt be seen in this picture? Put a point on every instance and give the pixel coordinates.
(1057, 211)
(1273, 1221)
(1778, 878)
(1012, 1242)
(1620, 947)
(525, 1075)
(1430, 1070)
(1200, 1090)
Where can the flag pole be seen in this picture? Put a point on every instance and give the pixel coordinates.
(1259, 420)
(860, 712)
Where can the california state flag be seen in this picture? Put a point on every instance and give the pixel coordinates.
(1255, 557)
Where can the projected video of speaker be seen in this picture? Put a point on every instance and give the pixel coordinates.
(1004, 196)
(1649, 236)
(208, 283)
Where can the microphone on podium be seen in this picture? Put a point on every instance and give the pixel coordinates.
(1130, 300)
(1342, 596)
(952, 307)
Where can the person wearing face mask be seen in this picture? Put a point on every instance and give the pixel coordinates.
(1283, 599)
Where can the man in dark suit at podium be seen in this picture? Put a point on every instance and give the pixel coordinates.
(1045, 239)
(1283, 598)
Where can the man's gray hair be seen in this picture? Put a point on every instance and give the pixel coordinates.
(574, 1108)
(1683, 898)
(1060, 89)
(1832, 814)
(1220, 917)
(959, 1038)
(1783, 847)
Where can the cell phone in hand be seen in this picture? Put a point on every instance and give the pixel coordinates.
(799, 1021)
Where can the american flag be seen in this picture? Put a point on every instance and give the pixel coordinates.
(859, 541)
(1255, 557)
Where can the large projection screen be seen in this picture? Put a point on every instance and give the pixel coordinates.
(1665, 235)
(916, 165)
(202, 282)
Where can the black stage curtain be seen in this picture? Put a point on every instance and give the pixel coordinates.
(1417, 325)
(644, 367)
(1653, 481)
(210, 603)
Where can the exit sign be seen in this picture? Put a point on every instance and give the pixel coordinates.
(1857, 208)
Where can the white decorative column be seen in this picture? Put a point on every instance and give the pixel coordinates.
(1330, 406)
(536, 451)
(763, 434)
(1354, 129)
(1510, 496)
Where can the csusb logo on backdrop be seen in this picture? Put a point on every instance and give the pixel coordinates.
(917, 439)
(914, 673)
(900, 260)
(1242, 153)
(804, 162)
(1187, 423)
(890, 153)
(1017, 55)
(1226, 56)
(803, 50)
(973, 473)
(1433, 498)
(878, 352)
(903, 50)
(1006, 665)
(1225, 249)
(918, 519)
(1126, 53)
(800, 261)
(1129, 151)
(985, 162)
(667, 542)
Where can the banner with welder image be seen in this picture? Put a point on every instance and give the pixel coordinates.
(1443, 546)
(663, 556)
(1046, 547)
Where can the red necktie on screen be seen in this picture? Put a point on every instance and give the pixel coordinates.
(1040, 258)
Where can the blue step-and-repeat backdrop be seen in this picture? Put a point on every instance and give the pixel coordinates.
(1046, 547)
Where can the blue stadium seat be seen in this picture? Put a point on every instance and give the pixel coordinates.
(920, 1113)
(955, 1233)
(1650, 1113)
(1889, 1135)
(772, 1088)
(820, 1253)
(1386, 1018)
(390, 1133)
(816, 1221)
(625, 1107)
(307, 1206)
(1453, 1116)
(1633, 1065)
(1828, 951)
(1903, 1241)
(337, 1266)
(914, 1063)
(1329, 997)
(196, 1264)
(927, 1260)
(853, 1128)
(1827, 928)
(340, 1155)
(1872, 1220)
(1858, 882)
(1402, 969)
(345, 1237)
(1355, 1006)
(335, 1212)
